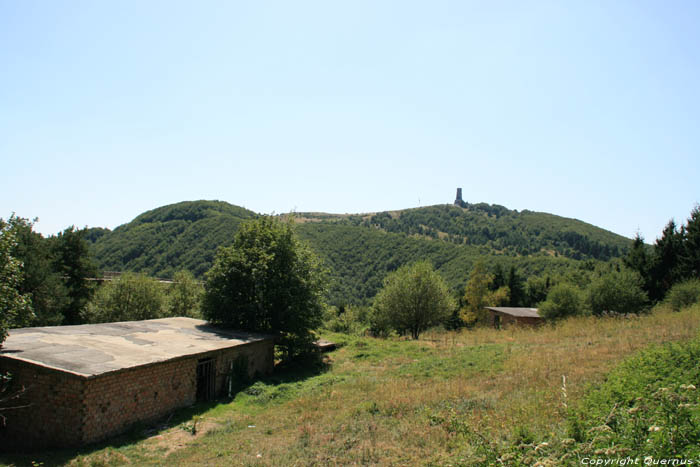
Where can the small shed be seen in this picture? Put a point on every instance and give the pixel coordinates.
(88, 382)
(501, 316)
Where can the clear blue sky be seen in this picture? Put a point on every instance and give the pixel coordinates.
(580, 108)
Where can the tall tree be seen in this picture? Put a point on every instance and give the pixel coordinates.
(39, 280)
(478, 294)
(267, 281)
(15, 307)
(516, 288)
(638, 259)
(73, 261)
(413, 298)
(690, 254)
(665, 267)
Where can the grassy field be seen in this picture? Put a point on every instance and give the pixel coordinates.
(436, 401)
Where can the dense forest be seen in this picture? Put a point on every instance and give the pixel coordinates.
(359, 250)
(497, 228)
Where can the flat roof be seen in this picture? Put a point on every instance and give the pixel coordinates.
(93, 349)
(515, 311)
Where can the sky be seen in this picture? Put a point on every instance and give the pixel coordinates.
(581, 108)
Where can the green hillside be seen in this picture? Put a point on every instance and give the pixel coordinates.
(360, 257)
(497, 228)
(166, 239)
(360, 250)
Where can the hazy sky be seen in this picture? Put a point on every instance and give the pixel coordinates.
(580, 108)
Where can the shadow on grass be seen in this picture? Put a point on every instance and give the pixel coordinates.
(284, 373)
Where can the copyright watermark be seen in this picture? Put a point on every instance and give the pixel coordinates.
(648, 460)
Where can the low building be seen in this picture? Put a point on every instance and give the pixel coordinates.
(502, 316)
(88, 382)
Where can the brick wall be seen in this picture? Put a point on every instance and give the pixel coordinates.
(70, 410)
(55, 412)
(115, 401)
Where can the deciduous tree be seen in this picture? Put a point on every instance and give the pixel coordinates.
(267, 281)
(414, 298)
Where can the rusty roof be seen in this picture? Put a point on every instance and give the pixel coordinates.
(515, 311)
(92, 349)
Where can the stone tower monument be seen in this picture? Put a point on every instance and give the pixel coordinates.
(458, 201)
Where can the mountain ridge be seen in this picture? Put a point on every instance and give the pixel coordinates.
(360, 249)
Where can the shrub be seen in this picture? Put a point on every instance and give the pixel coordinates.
(128, 298)
(562, 300)
(684, 294)
(617, 292)
(347, 319)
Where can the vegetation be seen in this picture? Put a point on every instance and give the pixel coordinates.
(482, 291)
(684, 294)
(54, 273)
(168, 239)
(617, 292)
(359, 253)
(563, 300)
(129, 297)
(675, 257)
(184, 296)
(267, 281)
(464, 397)
(413, 299)
(504, 230)
(15, 307)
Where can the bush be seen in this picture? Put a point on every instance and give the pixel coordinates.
(130, 297)
(617, 292)
(684, 294)
(648, 405)
(185, 296)
(562, 300)
(348, 320)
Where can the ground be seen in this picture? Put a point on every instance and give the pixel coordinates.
(399, 402)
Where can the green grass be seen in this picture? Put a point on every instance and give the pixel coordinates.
(456, 398)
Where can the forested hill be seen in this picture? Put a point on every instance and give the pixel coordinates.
(164, 240)
(495, 227)
(360, 249)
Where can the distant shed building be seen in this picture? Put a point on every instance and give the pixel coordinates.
(501, 316)
(88, 382)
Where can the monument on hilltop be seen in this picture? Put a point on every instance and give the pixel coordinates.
(458, 201)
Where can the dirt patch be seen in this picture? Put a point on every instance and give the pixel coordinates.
(180, 436)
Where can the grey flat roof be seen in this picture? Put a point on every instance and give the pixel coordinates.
(515, 311)
(93, 349)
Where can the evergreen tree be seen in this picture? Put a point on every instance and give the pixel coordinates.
(516, 288)
(690, 254)
(665, 267)
(73, 261)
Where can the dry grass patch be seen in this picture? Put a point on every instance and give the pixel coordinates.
(405, 402)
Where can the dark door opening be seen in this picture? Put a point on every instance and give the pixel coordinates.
(205, 379)
(497, 322)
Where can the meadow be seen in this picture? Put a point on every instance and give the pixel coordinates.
(451, 398)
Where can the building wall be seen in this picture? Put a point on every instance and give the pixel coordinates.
(508, 320)
(54, 413)
(70, 410)
(115, 401)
